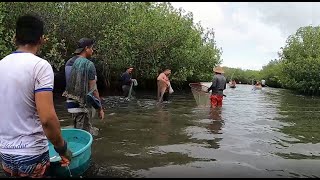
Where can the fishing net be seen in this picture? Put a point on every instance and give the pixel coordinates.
(200, 94)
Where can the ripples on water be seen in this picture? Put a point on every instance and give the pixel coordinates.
(262, 133)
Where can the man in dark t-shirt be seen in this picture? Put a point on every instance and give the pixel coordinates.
(218, 86)
(126, 82)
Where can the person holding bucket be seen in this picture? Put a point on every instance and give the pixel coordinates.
(219, 84)
(27, 114)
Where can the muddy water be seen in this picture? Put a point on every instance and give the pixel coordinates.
(262, 133)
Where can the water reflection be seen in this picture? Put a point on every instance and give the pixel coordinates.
(217, 122)
(301, 113)
(262, 133)
(164, 127)
(215, 126)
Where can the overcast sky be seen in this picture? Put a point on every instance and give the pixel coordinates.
(250, 33)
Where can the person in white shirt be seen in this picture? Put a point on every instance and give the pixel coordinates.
(27, 114)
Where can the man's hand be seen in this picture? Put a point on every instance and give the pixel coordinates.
(101, 114)
(66, 158)
(64, 153)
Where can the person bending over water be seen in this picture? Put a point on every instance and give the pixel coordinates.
(164, 85)
(127, 82)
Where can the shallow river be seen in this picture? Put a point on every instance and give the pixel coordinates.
(263, 133)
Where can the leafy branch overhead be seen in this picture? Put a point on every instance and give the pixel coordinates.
(150, 36)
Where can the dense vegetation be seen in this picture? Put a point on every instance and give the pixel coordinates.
(240, 75)
(148, 35)
(298, 65)
(152, 36)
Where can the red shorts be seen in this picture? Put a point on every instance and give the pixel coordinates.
(216, 100)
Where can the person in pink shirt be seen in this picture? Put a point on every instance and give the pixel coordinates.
(163, 83)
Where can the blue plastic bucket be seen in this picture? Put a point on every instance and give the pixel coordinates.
(79, 143)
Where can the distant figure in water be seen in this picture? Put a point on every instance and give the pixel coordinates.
(219, 83)
(263, 83)
(254, 82)
(258, 85)
(232, 84)
(126, 82)
(164, 86)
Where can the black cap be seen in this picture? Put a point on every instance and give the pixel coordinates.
(83, 43)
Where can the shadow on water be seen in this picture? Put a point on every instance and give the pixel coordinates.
(257, 133)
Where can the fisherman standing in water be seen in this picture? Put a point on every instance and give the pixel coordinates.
(164, 85)
(127, 83)
(217, 87)
(81, 81)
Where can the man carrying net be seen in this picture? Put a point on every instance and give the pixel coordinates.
(217, 87)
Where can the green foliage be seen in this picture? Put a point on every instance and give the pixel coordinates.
(6, 35)
(240, 75)
(272, 73)
(300, 61)
(148, 35)
(152, 36)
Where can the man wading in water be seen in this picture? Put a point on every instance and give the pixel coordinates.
(219, 84)
(27, 115)
(126, 82)
(81, 80)
(164, 86)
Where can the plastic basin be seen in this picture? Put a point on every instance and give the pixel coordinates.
(79, 143)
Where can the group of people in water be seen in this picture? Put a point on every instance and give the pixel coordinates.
(163, 84)
(28, 120)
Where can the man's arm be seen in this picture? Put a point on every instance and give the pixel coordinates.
(43, 88)
(92, 85)
(162, 78)
(48, 117)
(214, 83)
(93, 81)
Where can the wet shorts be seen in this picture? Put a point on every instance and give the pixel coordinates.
(25, 166)
(216, 100)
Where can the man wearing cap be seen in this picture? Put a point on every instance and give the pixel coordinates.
(219, 84)
(81, 79)
(126, 82)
